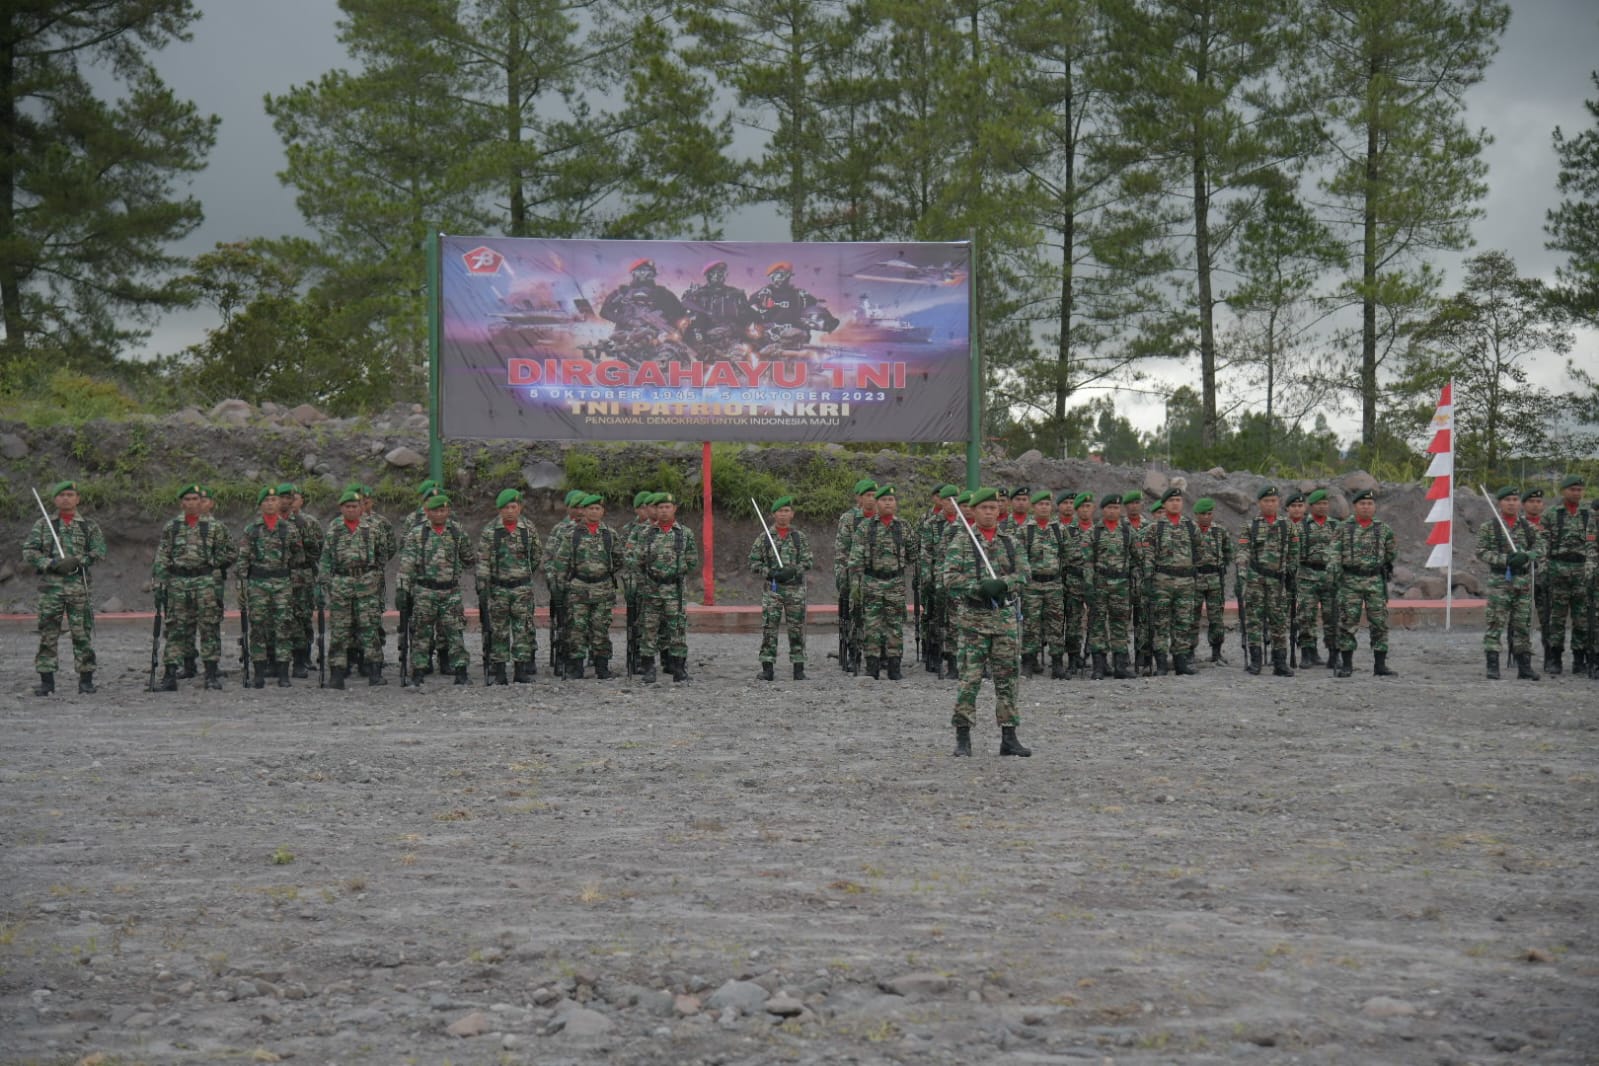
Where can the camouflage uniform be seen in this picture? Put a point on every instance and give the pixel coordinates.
(664, 559)
(1567, 567)
(431, 567)
(377, 582)
(939, 607)
(1317, 588)
(1172, 554)
(1267, 552)
(351, 569)
(558, 585)
(844, 582)
(267, 559)
(1509, 595)
(988, 636)
(583, 564)
(1142, 630)
(1365, 558)
(302, 581)
(1210, 586)
(780, 600)
(1113, 556)
(187, 561)
(506, 564)
(926, 577)
(64, 595)
(881, 553)
(1043, 597)
(1079, 591)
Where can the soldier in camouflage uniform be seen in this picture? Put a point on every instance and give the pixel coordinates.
(584, 570)
(1532, 505)
(882, 551)
(377, 582)
(928, 536)
(643, 518)
(1112, 556)
(1210, 577)
(208, 506)
(270, 550)
(192, 551)
(555, 547)
(1317, 592)
(664, 556)
(989, 634)
(1268, 548)
(1021, 505)
(1143, 628)
(433, 558)
(1510, 562)
(1171, 557)
(843, 540)
(1079, 583)
(509, 554)
(303, 580)
(1570, 533)
(941, 659)
(783, 589)
(1043, 598)
(64, 585)
(352, 552)
(1365, 561)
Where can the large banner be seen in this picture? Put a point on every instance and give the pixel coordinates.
(704, 340)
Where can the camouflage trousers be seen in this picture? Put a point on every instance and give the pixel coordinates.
(1044, 617)
(1113, 615)
(194, 610)
(1509, 606)
(1318, 602)
(272, 631)
(1171, 610)
(1568, 599)
(987, 638)
(69, 600)
(1265, 608)
(786, 601)
(589, 605)
(1077, 593)
(513, 633)
(438, 611)
(1211, 598)
(302, 602)
(1143, 630)
(882, 606)
(355, 620)
(663, 625)
(1353, 594)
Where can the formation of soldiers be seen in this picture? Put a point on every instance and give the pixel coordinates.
(1001, 585)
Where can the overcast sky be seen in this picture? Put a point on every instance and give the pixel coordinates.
(244, 49)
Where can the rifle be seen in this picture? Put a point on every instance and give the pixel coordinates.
(1243, 624)
(155, 635)
(402, 600)
(916, 604)
(487, 626)
(857, 622)
(1293, 621)
(1092, 617)
(630, 599)
(321, 640)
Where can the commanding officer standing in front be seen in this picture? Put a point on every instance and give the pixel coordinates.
(783, 591)
(883, 552)
(988, 629)
(1509, 563)
(193, 548)
(64, 585)
(1365, 559)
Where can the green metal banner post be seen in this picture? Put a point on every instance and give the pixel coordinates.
(435, 299)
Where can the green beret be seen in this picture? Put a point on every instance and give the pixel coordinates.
(865, 485)
(1316, 496)
(642, 498)
(287, 489)
(427, 488)
(1041, 494)
(1169, 493)
(1573, 481)
(591, 499)
(438, 499)
(507, 496)
(64, 486)
(270, 490)
(948, 492)
(187, 489)
(886, 490)
(983, 496)
(782, 502)
(1266, 490)
(1363, 494)
(1020, 490)
(1532, 494)
(575, 495)
(1293, 498)
(1204, 505)
(964, 497)
(205, 492)
(1132, 497)
(1110, 498)
(356, 486)
(349, 495)
(1082, 498)
(664, 497)
(1508, 490)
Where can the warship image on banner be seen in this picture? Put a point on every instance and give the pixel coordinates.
(874, 324)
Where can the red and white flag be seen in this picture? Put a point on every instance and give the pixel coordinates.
(1442, 490)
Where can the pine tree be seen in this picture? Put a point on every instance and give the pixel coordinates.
(1573, 227)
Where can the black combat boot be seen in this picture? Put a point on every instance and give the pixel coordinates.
(1579, 662)
(574, 669)
(302, 660)
(1524, 670)
(418, 675)
(283, 675)
(1057, 667)
(799, 671)
(1308, 656)
(169, 680)
(1346, 666)
(86, 683)
(497, 674)
(1076, 665)
(213, 676)
(680, 668)
(648, 663)
(1256, 654)
(963, 740)
(336, 677)
(444, 661)
(1215, 652)
(1161, 664)
(533, 664)
(1121, 669)
(894, 673)
(1379, 665)
(766, 672)
(1029, 663)
(1279, 664)
(1184, 664)
(1332, 657)
(188, 667)
(1551, 662)
(462, 677)
(357, 660)
(519, 673)
(952, 670)
(931, 660)
(874, 666)
(602, 670)
(1009, 745)
(374, 675)
(259, 680)
(46, 685)
(1100, 669)
(1493, 665)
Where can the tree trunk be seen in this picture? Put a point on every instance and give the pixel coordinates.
(10, 276)
(513, 124)
(1068, 229)
(1207, 310)
(1368, 271)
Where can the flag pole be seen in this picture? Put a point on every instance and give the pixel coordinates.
(1449, 588)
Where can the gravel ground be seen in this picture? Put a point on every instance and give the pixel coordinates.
(1210, 869)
